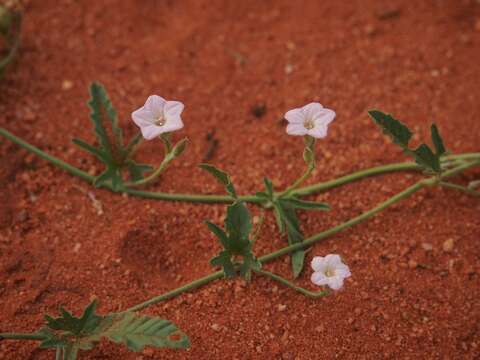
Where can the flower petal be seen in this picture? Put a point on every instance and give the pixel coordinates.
(173, 123)
(173, 108)
(335, 282)
(333, 260)
(324, 117)
(143, 117)
(310, 110)
(155, 104)
(151, 132)
(318, 263)
(343, 272)
(318, 131)
(296, 129)
(319, 278)
(295, 116)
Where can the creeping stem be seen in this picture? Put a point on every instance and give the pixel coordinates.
(21, 336)
(312, 294)
(461, 163)
(197, 198)
(311, 240)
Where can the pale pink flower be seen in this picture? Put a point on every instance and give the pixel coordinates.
(158, 116)
(330, 271)
(312, 119)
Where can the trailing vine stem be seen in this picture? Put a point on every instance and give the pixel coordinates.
(427, 182)
(198, 198)
(461, 163)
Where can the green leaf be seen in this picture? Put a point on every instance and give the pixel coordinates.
(398, 132)
(437, 141)
(6, 20)
(99, 153)
(294, 234)
(137, 171)
(239, 226)
(72, 334)
(401, 135)
(104, 118)
(268, 187)
(67, 322)
(425, 157)
(221, 176)
(180, 147)
(110, 178)
(138, 331)
(307, 205)
(220, 234)
(236, 242)
(224, 260)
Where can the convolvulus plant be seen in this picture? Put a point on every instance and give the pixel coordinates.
(158, 118)
(69, 334)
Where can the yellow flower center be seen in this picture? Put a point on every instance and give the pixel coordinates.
(160, 121)
(309, 124)
(329, 272)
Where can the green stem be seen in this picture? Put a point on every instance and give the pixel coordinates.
(459, 187)
(320, 187)
(58, 354)
(308, 190)
(299, 181)
(54, 160)
(167, 159)
(313, 239)
(190, 197)
(312, 294)
(168, 295)
(286, 250)
(21, 336)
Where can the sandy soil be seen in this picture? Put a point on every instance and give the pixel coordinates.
(410, 297)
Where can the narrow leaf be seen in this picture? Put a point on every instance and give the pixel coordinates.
(221, 176)
(104, 118)
(219, 233)
(180, 147)
(437, 141)
(268, 187)
(426, 158)
(308, 205)
(398, 132)
(225, 262)
(101, 155)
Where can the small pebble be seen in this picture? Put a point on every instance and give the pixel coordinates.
(448, 245)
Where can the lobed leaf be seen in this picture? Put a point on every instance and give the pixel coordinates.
(138, 331)
(396, 130)
(221, 176)
(424, 156)
(401, 135)
(72, 334)
(104, 116)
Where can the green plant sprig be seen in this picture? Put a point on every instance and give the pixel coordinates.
(10, 26)
(69, 334)
(209, 199)
(419, 185)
